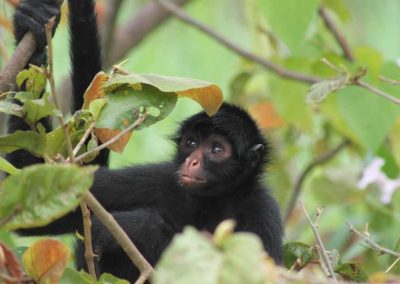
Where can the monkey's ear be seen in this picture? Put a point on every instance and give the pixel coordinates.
(256, 153)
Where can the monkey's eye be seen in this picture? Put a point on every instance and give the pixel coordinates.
(190, 143)
(217, 149)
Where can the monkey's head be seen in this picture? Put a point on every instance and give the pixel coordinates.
(218, 153)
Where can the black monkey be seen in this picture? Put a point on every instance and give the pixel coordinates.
(213, 176)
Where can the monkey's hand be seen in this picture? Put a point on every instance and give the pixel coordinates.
(33, 15)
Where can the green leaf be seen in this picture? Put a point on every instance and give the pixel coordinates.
(125, 105)
(352, 272)
(42, 193)
(297, 253)
(243, 260)
(34, 78)
(76, 127)
(107, 278)
(319, 91)
(36, 109)
(290, 19)
(72, 276)
(7, 167)
(11, 108)
(369, 116)
(190, 258)
(27, 140)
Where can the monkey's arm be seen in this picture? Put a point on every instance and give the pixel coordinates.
(32, 15)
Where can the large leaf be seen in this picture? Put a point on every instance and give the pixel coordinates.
(42, 193)
(190, 258)
(369, 116)
(243, 252)
(128, 96)
(290, 19)
(208, 95)
(27, 140)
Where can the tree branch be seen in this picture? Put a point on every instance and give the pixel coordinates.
(87, 225)
(299, 183)
(275, 68)
(324, 255)
(137, 123)
(121, 237)
(17, 62)
(373, 245)
(339, 37)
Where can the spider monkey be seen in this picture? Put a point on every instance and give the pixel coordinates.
(214, 175)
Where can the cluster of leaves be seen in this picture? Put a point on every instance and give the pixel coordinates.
(38, 194)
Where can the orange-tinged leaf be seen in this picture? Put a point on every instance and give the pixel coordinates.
(95, 89)
(208, 95)
(210, 98)
(9, 265)
(46, 260)
(106, 134)
(266, 115)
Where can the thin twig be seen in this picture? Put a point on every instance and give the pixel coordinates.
(299, 183)
(325, 258)
(389, 80)
(83, 139)
(137, 123)
(87, 224)
(121, 237)
(373, 245)
(376, 91)
(392, 265)
(275, 68)
(17, 62)
(50, 76)
(340, 38)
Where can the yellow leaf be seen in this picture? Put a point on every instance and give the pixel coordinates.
(46, 260)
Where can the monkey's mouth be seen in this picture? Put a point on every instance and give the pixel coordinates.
(188, 180)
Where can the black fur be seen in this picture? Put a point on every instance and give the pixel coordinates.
(148, 201)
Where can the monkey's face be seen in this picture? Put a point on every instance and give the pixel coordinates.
(203, 161)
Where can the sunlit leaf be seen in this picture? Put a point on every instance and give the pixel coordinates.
(34, 79)
(72, 276)
(243, 252)
(46, 260)
(107, 278)
(27, 140)
(42, 193)
(7, 167)
(190, 258)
